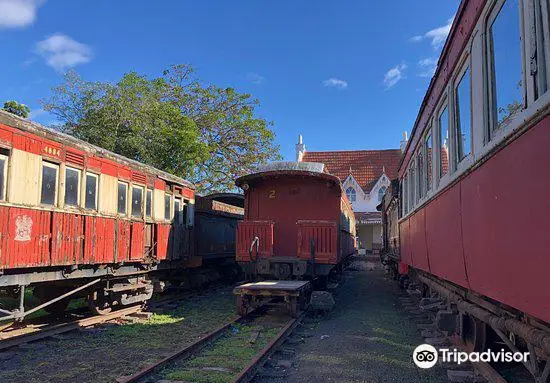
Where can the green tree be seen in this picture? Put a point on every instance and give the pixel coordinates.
(16, 108)
(206, 134)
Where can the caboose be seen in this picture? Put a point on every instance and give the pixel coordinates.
(298, 223)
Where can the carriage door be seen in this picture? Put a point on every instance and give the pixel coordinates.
(178, 230)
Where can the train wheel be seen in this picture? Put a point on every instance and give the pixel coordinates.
(473, 333)
(98, 306)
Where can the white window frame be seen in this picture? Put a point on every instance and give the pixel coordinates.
(467, 161)
(55, 166)
(147, 190)
(443, 179)
(494, 132)
(127, 184)
(171, 208)
(354, 194)
(79, 187)
(143, 196)
(429, 185)
(83, 199)
(3, 195)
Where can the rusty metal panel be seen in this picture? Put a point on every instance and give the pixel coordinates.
(324, 235)
(122, 240)
(417, 236)
(216, 235)
(162, 236)
(137, 240)
(444, 237)
(505, 210)
(246, 231)
(28, 238)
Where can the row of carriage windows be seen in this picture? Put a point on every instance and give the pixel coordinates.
(451, 129)
(72, 198)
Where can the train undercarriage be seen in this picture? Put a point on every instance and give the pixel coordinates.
(480, 323)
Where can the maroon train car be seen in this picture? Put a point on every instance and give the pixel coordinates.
(473, 226)
(298, 222)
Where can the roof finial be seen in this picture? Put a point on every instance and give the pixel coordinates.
(383, 169)
(350, 169)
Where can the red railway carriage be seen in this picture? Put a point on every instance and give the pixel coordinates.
(72, 214)
(473, 201)
(298, 222)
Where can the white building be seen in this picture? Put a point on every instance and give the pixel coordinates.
(365, 175)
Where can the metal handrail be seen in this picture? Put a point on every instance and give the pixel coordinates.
(255, 241)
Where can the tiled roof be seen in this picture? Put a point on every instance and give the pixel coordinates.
(366, 165)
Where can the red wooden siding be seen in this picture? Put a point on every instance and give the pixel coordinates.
(28, 238)
(325, 236)
(246, 231)
(136, 247)
(417, 237)
(163, 235)
(67, 238)
(123, 240)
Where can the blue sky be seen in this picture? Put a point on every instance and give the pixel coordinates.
(346, 75)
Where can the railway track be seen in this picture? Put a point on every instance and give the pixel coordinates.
(191, 351)
(36, 332)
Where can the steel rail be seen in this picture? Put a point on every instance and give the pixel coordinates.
(183, 354)
(65, 327)
(248, 373)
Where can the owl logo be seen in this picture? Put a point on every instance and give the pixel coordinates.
(23, 228)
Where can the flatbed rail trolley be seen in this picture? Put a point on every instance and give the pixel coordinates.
(293, 294)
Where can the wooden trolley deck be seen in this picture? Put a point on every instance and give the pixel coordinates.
(295, 294)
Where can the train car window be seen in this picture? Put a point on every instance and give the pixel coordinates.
(429, 154)
(90, 200)
(137, 201)
(463, 121)
(48, 194)
(538, 49)
(406, 194)
(149, 204)
(506, 64)
(122, 197)
(177, 210)
(72, 186)
(167, 206)
(4, 155)
(443, 142)
(412, 175)
(420, 170)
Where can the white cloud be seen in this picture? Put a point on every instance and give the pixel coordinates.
(255, 78)
(335, 83)
(394, 75)
(437, 35)
(18, 13)
(427, 66)
(61, 52)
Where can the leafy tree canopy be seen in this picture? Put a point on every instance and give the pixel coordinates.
(16, 108)
(206, 134)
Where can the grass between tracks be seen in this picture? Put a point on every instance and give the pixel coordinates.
(225, 358)
(105, 353)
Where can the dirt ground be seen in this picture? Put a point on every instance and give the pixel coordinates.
(366, 338)
(105, 353)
